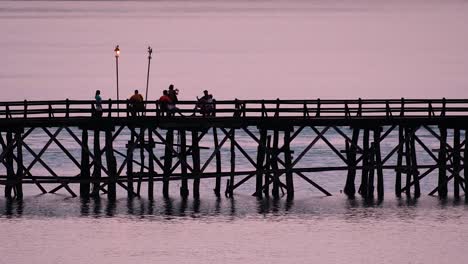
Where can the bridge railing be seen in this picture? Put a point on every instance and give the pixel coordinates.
(240, 108)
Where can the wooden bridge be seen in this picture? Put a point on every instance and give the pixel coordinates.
(273, 125)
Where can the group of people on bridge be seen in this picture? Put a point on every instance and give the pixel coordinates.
(167, 102)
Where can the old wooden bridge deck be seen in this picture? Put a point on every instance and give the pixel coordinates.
(272, 124)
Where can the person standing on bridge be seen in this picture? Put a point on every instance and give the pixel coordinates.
(136, 103)
(98, 104)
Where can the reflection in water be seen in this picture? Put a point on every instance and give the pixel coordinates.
(236, 207)
(13, 207)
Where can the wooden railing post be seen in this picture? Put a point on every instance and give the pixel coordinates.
(7, 111)
(25, 109)
(110, 108)
(359, 112)
(317, 114)
(277, 107)
(443, 107)
(67, 106)
(402, 107)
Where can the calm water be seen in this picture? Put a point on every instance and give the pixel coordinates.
(254, 49)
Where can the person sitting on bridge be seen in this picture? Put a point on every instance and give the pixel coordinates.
(172, 93)
(204, 103)
(165, 103)
(210, 105)
(136, 103)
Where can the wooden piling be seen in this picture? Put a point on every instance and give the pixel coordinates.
(442, 164)
(130, 149)
(85, 167)
(184, 191)
(350, 188)
(409, 166)
(274, 163)
(266, 190)
(401, 143)
(167, 161)
(97, 162)
(217, 189)
(142, 157)
(151, 171)
(287, 163)
(20, 166)
(370, 184)
(111, 166)
(232, 162)
(378, 163)
(456, 163)
(260, 160)
(9, 165)
(414, 164)
(196, 164)
(365, 164)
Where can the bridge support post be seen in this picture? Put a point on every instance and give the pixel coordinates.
(217, 189)
(442, 182)
(414, 164)
(167, 161)
(85, 167)
(378, 163)
(274, 164)
(233, 163)
(111, 166)
(196, 164)
(184, 191)
(350, 188)
(365, 164)
(130, 148)
(260, 160)
(456, 163)
(287, 163)
(151, 171)
(268, 177)
(401, 142)
(9, 165)
(20, 166)
(409, 166)
(97, 163)
(142, 158)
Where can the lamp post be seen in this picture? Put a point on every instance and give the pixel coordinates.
(117, 54)
(150, 50)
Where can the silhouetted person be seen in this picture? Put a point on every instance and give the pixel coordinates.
(172, 93)
(210, 105)
(203, 102)
(136, 103)
(98, 104)
(164, 102)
